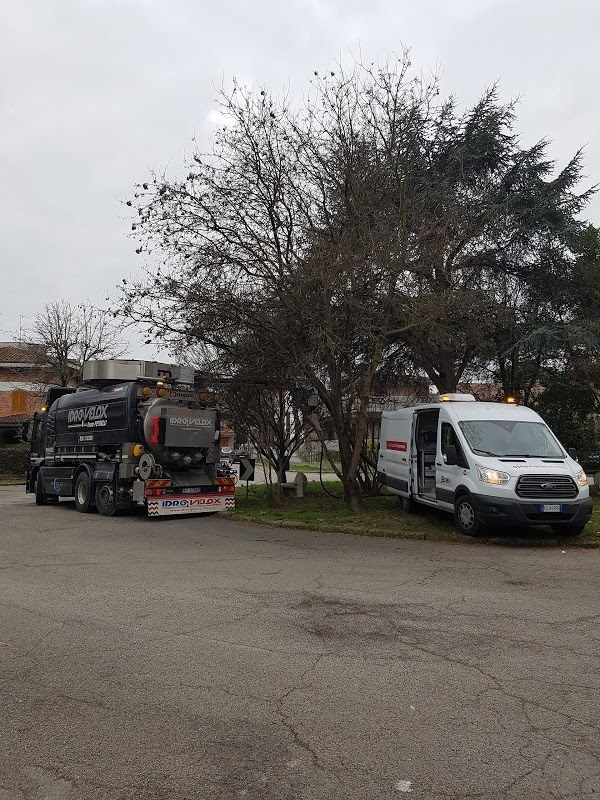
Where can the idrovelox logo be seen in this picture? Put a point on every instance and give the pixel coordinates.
(190, 502)
(191, 422)
(188, 505)
(89, 417)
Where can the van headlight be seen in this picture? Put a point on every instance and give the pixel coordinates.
(492, 476)
(581, 478)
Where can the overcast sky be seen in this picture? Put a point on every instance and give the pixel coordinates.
(96, 92)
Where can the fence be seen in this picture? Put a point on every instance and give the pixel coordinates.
(315, 458)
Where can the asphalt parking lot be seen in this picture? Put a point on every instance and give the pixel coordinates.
(202, 658)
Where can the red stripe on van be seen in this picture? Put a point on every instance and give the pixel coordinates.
(401, 446)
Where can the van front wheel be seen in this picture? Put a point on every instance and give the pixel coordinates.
(466, 517)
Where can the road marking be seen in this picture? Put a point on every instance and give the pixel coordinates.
(403, 786)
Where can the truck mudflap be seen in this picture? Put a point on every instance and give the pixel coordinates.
(172, 500)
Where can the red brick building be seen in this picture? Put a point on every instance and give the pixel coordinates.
(22, 385)
(23, 382)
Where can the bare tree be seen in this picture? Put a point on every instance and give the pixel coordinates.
(293, 236)
(273, 422)
(260, 397)
(364, 234)
(68, 335)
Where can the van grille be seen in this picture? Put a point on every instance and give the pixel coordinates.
(548, 487)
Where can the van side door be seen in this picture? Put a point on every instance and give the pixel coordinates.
(448, 477)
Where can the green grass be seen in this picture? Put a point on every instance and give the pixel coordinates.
(383, 517)
(308, 468)
(11, 480)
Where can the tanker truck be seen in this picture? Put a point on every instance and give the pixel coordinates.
(136, 433)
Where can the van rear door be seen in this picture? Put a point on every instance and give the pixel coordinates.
(393, 464)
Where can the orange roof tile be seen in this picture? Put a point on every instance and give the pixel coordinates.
(19, 355)
(15, 419)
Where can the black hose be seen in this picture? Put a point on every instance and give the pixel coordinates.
(325, 489)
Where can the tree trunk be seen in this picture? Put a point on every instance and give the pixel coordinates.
(353, 497)
(352, 494)
(444, 378)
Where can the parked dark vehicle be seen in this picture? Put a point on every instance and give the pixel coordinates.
(592, 463)
(138, 433)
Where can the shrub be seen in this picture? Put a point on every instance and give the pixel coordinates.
(13, 460)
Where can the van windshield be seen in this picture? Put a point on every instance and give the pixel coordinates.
(505, 438)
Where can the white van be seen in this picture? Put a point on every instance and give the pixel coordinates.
(226, 455)
(488, 463)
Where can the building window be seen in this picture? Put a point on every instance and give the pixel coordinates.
(18, 402)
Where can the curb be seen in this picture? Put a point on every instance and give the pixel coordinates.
(381, 533)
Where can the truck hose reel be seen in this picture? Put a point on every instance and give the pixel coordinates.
(146, 466)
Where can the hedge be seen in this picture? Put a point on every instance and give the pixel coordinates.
(13, 461)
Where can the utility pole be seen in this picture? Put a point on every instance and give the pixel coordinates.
(21, 318)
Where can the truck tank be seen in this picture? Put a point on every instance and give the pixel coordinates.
(139, 433)
(178, 430)
(180, 434)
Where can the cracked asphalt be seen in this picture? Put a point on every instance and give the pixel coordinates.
(201, 658)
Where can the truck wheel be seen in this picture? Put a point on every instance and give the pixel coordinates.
(568, 530)
(106, 499)
(41, 497)
(83, 493)
(466, 517)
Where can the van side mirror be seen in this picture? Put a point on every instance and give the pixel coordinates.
(450, 455)
(572, 452)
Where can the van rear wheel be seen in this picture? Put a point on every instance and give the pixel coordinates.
(408, 505)
(466, 517)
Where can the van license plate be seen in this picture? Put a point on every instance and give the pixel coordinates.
(551, 508)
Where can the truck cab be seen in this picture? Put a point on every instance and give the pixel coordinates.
(34, 433)
(487, 463)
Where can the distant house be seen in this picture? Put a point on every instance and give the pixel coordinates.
(227, 435)
(24, 378)
(400, 397)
